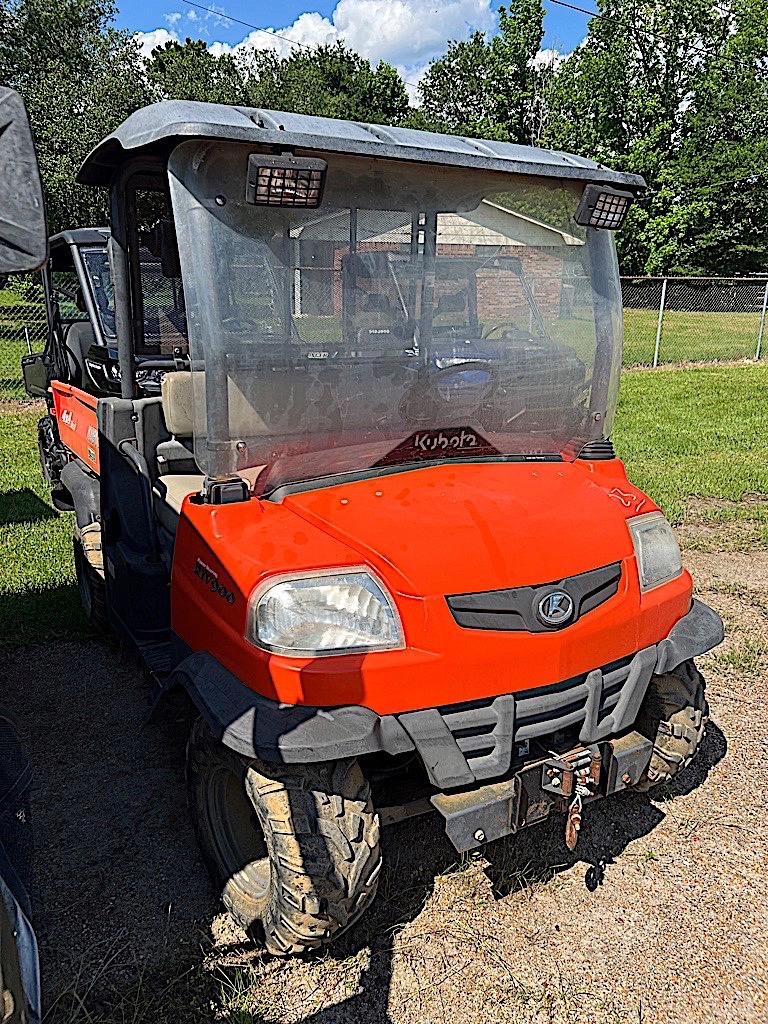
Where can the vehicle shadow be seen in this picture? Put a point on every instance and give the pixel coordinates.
(608, 827)
(417, 852)
(48, 615)
(120, 889)
(123, 895)
(24, 506)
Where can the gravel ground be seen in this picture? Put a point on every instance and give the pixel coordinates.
(661, 915)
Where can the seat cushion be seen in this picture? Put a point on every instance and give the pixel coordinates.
(171, 489)
(176, 392)
(169, 493)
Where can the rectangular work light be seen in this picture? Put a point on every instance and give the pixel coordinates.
(603, 207)
(285, 180)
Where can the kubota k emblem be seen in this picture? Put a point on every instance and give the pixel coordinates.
(555, 608)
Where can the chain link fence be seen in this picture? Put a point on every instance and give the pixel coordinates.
(23, 329)
(693, 319)
(666, 320)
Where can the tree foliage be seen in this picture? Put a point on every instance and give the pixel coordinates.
(490, 87)
(189, 71)
(332, 81)
(675, 90)
(80, 78)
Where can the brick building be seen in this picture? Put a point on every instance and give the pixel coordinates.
(474, 277)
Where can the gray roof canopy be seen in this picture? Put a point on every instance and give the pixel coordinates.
(157, 128)
(81, 236)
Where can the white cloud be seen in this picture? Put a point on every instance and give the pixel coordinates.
(149, 40)
(549, 59)
(309, 29)
(407, 33)
(173, 19)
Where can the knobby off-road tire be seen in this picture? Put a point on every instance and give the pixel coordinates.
(294, 848)
(674, 715)
(89, 566)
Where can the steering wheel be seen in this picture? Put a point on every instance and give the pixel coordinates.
(439, 394)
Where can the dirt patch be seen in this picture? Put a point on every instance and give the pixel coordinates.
(15, 405)
(717, 525)
(658, 917)
(119, 881)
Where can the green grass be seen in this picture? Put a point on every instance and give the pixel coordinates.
(16, 314)
(38, 596)
(696, 432)
(689, 337)
(682, 433)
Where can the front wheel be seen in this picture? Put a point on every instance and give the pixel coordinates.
(293, 848)
(674, 715)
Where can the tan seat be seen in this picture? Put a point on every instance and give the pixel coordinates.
(177, 392)
(176, 396)
(174, 487)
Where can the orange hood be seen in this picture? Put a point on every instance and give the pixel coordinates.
(465, 527)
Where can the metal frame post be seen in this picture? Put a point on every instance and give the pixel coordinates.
(759, 350)
(660, 324)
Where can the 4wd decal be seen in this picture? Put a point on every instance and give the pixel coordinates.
(211, 579)
(446, 443)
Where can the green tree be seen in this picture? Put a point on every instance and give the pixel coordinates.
(673, 90)
(719, 179)
(332, 81)
(189, 71)
(80, 78)
(490, 87)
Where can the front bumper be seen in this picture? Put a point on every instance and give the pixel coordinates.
(461, 745)
(481, 814)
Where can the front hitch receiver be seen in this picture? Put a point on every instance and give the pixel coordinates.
(573, 777)
(558, 783)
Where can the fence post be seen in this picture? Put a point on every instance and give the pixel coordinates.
(661, 321)
(758, 353)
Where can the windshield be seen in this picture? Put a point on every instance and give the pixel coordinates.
(420, 313)
(163, 325)
(97, 270)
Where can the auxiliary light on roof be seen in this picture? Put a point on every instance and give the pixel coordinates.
(285, 180)
(603, 207)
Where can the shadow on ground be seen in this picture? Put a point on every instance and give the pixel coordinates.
(416, 852)
(124, 906)
(46, 615)
(24, 506)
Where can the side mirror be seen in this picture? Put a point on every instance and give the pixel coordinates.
(23, 228)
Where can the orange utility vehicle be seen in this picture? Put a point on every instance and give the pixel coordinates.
(336, 426)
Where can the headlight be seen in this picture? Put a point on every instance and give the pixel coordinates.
(333, 613)
(656, 549)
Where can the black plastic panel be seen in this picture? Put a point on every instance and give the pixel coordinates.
(516, 609)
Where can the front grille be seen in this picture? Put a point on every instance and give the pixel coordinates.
(516, 609)
(475, 741)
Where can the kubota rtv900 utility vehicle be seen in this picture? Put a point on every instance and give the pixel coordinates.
(332, 404)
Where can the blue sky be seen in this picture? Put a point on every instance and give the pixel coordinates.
(408, 33)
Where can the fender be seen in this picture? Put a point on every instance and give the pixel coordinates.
(255, 726)
(85, 489)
